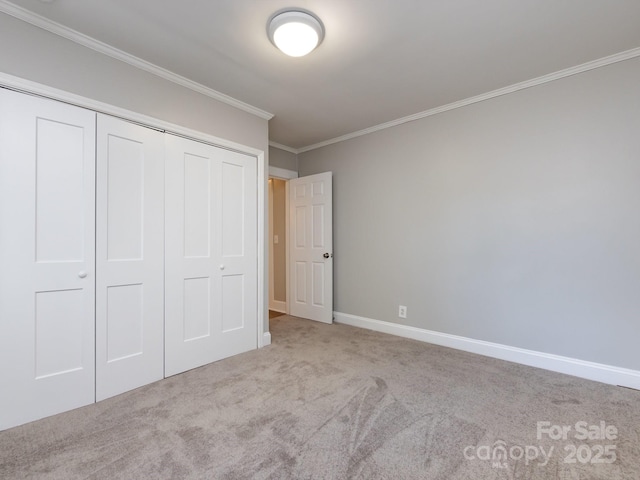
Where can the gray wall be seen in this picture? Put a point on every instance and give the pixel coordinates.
(514, 220)
(283, 159)
(37, 55)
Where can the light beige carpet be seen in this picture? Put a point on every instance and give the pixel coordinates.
(334, 402)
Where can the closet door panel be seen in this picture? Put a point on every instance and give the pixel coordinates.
(211, 254)
(130, 256)
(47, 218)
(190, 269)
(59, 180)
(237, 250)
(197, 206)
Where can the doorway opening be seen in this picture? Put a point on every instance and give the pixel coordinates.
(301, 246)
(277, 247)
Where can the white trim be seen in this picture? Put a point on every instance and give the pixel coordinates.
(101, 47)
(287, 250)
(282, 173)
(280, 146)
(571, 366)
(602, 62)
(271, 247)
(266, 339)
(27, 86)
(262, 312)
(278, 306)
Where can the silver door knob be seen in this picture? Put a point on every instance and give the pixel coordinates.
(221, 267)
(327, 255)
(82, 274)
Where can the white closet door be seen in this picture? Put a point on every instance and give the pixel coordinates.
(129, 256)
(211, 254)
(47, 209)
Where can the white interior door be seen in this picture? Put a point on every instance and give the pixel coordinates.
(129, 256)
(211, 254)
(311, 247)
(47, 224)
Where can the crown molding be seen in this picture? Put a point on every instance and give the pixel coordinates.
(602, 62)
(98, 46)
(33, 88)
(279, 146)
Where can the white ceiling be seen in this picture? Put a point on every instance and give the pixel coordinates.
(381, 59)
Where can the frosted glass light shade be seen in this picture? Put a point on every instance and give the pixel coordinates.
(295, 33)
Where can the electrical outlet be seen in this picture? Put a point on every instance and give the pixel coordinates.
(276, 240)
(402, 311)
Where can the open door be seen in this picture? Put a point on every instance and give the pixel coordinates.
(311, 247)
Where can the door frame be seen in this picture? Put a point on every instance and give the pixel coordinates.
(29, 87)
(286, 175)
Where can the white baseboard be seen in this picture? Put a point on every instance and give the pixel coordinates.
(278, 306)
(580, 368)
(266, 339)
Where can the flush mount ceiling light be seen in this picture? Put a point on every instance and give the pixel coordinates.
(295, 32)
